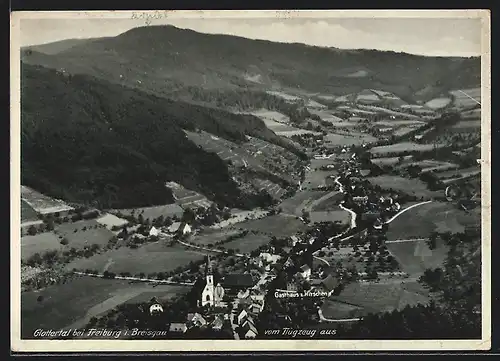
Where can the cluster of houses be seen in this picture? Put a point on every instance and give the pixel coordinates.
(233, 299)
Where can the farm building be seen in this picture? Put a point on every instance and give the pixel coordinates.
(305, 272)
(233, 283)
(179, 228)
(178, 327)
(249, 330)
(195, 320)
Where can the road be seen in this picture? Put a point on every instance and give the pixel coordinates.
(406, 209)
(207, 249)
(324, 319)
(167, 282)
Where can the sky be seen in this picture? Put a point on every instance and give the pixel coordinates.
(429, 36)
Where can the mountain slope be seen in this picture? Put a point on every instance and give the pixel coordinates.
(87, 140)
(165, 59)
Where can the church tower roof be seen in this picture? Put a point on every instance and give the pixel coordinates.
(209, 270)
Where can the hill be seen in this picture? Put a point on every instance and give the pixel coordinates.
(172, 62)
(87, 140)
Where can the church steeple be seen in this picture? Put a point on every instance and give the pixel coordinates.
(209, 270)
(209, 275)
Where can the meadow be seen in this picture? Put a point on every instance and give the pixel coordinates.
(72, 304)
(438, 103)
(420, 221)
(150, 213)
(412, 186)
(380, 297)
(415, 257)
(83, 233)
(149, 258)
(39, 243)
(401, 147)
(330, 215)
(278, 225)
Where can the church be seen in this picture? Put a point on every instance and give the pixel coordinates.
(212, 293)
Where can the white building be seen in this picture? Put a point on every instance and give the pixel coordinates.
(154, 231)
(155, 308)
(305, 271)
(212, 294)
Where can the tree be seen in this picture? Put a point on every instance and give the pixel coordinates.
(64, 241)
(32, 230)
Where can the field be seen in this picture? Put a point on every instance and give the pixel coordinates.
(438, 103)
(333, 139)
(167, 210)
(330, 216)
(328, 116)
(460, 173)
(278, 225)
(94, 233)
(390, 161)
(468, 125)
(248, 243)
(72, 304)
(211, 236)
(300, 200)
(397, 122)
(153, 257)
(41, 203)
(463, 97)
(410, 186)
(387, 111)
(415, 257)
(186, 197)
(405, 130)
(472, 114)
(380, 297)
(28, 214)
(401, 147)
(317, 178)
(39, 243)
(420, 221)
(288, 97)
(110, 221)
(338, 310)
(329, 204)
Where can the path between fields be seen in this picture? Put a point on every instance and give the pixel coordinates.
(208, 249)
(130, 278)
(406, 240)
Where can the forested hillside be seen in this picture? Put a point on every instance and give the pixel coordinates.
(87, 140)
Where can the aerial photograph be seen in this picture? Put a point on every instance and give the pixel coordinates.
(251, 178)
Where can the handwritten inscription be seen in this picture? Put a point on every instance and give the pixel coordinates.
(149, 16)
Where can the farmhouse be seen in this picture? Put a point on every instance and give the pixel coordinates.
(233, 283)
(305, 272)
(155, 308)
(249, 330)
(178, 327)
(195, 320)
(360, 200)
(179, 228)
(217, 323)
(270, 258)
(154, 231)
